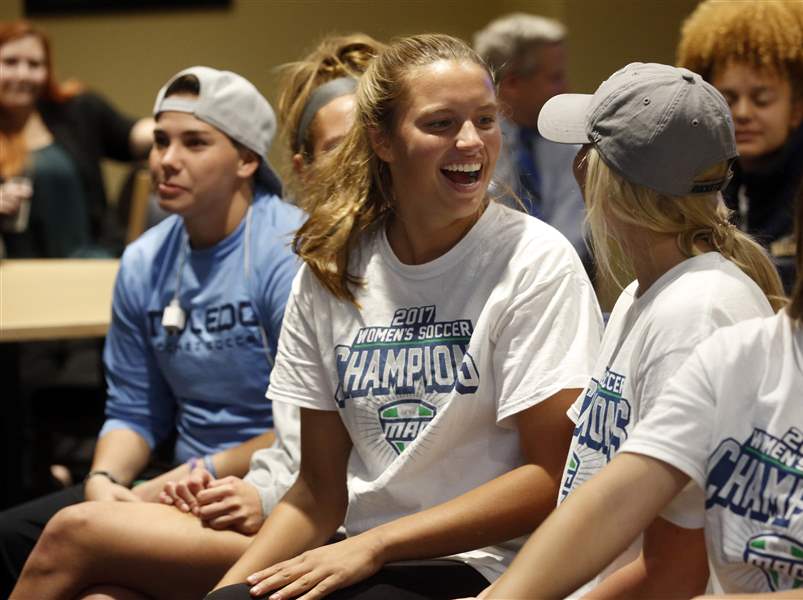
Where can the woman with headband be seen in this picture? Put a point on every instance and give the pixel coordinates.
(657, 146)
(316, 105)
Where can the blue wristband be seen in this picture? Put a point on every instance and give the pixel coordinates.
(210, 466)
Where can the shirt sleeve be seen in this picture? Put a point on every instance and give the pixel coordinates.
(547, 341)
(138, 397)
(274, 284)
(299, 375)
(677, 431)
(113, 127)
(273, 470)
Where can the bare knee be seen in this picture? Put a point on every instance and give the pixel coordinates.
(63, 541)
(106, 592)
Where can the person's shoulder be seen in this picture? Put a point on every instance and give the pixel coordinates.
(85, 101)
(147, 248)
(535, 241)
(278, 214)
(695, 303)
(707, 283)
(82, 111)
(274, 225)
(747, 342)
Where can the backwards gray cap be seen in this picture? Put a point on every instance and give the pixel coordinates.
(658, 126)
(233, 105)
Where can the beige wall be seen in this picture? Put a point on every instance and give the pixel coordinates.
(128, 56)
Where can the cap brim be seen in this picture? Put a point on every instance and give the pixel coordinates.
(563, 118)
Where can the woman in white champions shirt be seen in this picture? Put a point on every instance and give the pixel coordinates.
(730, 420)
(658, 142)
(433, 342)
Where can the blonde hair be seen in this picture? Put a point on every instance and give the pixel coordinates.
(352, 192)
(690, 219)
(765, 34)
(334, 57)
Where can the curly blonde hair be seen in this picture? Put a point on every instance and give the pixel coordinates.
(352, 191)
(612, 197)
(764, 34)
(334, 57)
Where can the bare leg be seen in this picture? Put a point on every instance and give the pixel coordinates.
(107, 592)
(147, 548)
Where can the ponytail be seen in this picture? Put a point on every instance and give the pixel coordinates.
(690, 219)
(749, 256)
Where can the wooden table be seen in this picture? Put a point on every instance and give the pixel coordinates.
(55, 298)
(49, 299)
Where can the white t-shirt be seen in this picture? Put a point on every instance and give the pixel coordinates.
(427, 375)
(646, 340)
(732, 420)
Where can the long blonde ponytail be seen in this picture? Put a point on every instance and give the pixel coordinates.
(690, 219)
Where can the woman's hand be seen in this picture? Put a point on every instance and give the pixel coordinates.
(318, 572)
(101, 489)
(230, 503)
(12, 194)
(183, 494)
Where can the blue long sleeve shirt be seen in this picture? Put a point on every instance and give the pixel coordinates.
(207, 382)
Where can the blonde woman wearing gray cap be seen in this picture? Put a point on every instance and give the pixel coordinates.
(196, 314)
(658, 142)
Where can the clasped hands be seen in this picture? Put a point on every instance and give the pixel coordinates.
(226, 503)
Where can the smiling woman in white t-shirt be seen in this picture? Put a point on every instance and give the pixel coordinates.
(658, 142)
(433, 342)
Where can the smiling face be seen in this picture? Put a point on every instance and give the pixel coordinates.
(444, 143)
(195, 167)
(23, 72)
(764, 111)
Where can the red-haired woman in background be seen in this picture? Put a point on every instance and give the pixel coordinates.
(52, 138)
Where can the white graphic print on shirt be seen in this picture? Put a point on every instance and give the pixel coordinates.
(405, 370)
(761, 480)
(601, 429)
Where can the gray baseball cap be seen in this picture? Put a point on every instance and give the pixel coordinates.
(656, 125)
(233, 105)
